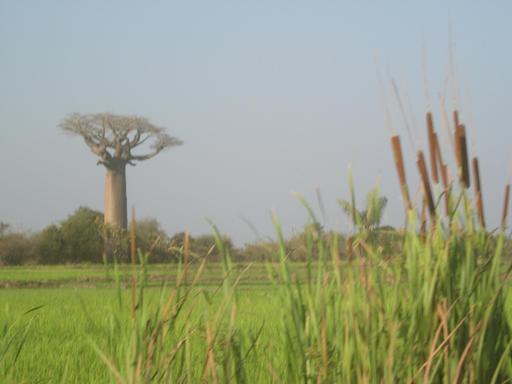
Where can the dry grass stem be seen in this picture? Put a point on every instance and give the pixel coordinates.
(427, 190)
(399, 163)
(432, 148)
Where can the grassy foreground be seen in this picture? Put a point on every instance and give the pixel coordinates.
(59, 348)
(439, 313)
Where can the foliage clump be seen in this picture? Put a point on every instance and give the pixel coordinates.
(77, 239)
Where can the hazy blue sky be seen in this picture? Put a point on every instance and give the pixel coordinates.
(269, 97)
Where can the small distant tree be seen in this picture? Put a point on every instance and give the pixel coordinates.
(367, 220)
(262, 250)
(150, 237)
(204, 245)
(200, 246)
(82, 236)
(16, 248)
(77, 239)
(50, 246)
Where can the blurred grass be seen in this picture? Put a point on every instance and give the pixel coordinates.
(96, 275)
(58, 345)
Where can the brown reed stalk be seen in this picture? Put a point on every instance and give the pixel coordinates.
(461, 155)
(504, 214)
(456, 118)
(444, 176)
(464, 156)
(456, 143)
(427, 190)
(478, 192)
(432, 148)
(399, 163)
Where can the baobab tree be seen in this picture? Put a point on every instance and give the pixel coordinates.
(114, 139)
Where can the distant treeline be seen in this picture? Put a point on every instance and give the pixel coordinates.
(81, 239)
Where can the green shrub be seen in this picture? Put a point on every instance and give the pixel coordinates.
(200, 247)
(17, 248)
(78, 239)
(50, 246)
(151, 237)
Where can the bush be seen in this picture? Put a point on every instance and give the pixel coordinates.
(300, 246)
(200, 246)
(150, 237)
(16, 249)
(50, 246)
(77, 239)
(82, 236)
(258, 252)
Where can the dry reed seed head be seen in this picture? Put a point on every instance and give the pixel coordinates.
(476, 174)
(478, 192)
(456, 118)
(457, 150)
(432, 148)
(504, 214)
(399, 164)
(461, 155)
(427, 190)
(464, 156)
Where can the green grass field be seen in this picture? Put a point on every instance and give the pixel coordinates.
(76, 305)
(72, 317)
(91, 275)
(58, 346)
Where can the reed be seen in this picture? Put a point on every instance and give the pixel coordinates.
(461, 154)
(427, 189)
(478, 192)
(456, 120)
(432, 143)
(400, 168)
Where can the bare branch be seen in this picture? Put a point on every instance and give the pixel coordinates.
(164, 141)
(113, 137)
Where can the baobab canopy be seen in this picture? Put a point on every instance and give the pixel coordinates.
(114, 139)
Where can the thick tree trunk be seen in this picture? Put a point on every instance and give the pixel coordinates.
(115, 197)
